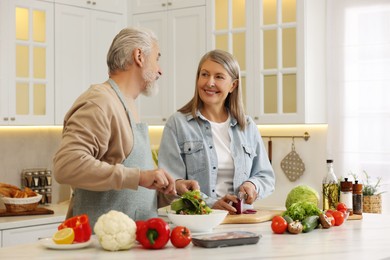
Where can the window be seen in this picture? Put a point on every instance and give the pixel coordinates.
(358, 51)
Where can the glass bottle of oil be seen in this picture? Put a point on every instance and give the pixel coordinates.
(330, 188)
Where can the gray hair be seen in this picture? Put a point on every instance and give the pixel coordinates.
(119, 55)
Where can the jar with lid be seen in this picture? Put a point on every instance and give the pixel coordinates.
(330, 188)
(42, 178)
(36, 180)
(357, 198)
(346, 194)
(28, 179)
(48, 196)
(43, 193)
(48, 177)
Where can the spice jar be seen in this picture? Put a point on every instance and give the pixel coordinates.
(36, 180)
(42, 178)
(346, 194)
(48, 177)
(357, 198)
(43, 193)
(48, 196)
(28, 179)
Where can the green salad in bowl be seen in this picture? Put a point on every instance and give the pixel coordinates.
(191, 203)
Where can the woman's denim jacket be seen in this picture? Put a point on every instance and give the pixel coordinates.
(187, 152)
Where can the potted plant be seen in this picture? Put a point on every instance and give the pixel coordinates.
(372, 200)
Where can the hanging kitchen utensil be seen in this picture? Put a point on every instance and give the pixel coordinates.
(292, 165)
(270, 150)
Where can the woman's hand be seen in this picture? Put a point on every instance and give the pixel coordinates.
(182, 186)
(225, 202)
(249, 189)
(157, 179)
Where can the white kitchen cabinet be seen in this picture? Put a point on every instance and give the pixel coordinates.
(18, 236)
(182, 40)
(113, 6)
(280, 46)
(27, 62)
(83, 36)
(147, 6)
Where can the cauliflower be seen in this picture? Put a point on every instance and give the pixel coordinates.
(115, 231)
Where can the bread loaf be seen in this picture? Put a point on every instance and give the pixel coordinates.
(11, 191)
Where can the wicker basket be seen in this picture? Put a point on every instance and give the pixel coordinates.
(372, 204)
(21, 204)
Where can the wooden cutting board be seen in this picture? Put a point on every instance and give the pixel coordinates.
(259, 216)
(263, 216)
(355, 217)
(37, 211)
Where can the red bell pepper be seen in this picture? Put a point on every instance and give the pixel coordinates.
(81, 227)
(153, 233)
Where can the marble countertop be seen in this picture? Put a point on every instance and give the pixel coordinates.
(355, 239)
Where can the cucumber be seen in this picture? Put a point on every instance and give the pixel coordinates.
(310, 223)
(288, 219)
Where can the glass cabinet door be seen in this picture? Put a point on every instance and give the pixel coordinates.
(31, 83)
(262, 35)
(230, 32)
(277, 74)
(280, 45)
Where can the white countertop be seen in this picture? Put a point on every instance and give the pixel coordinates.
(355, 239)
(32, 220)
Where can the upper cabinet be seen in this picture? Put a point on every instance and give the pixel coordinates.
(148, 6)
(83, 35)
(280, 45)
(182, 40)
(26, 64)
(112, 6)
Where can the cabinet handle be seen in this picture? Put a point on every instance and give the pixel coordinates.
(5, 118)
(12, 118)
(164, 119)
(169, 3)
(89, 2)
(163, 4)
(93, 3)
(256, 118)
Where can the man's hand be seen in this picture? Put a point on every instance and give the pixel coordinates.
(158, 179)
(183, 186)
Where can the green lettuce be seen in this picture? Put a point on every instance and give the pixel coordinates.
(190, 203)
(301, 210)
(302, 193)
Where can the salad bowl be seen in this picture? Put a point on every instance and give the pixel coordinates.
(198, 223)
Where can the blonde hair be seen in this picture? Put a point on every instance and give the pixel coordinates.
(234, 100)
(119, 55)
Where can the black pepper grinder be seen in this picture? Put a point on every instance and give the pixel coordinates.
(357, 198)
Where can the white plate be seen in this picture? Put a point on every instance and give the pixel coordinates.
(49, 243)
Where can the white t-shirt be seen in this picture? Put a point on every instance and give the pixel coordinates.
(225, 174)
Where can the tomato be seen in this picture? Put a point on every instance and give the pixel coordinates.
(330, 211)
(279, 225)
(338, 218)
(342, 207)
(330, 217)
(180, 236)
